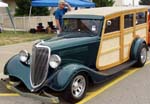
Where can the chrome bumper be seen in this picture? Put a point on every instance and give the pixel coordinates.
(47, 99)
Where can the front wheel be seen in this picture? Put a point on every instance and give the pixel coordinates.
(76, 89)
(141, 55)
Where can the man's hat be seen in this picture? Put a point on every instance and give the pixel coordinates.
(61, 1)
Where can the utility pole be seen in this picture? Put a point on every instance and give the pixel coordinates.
(133, 2)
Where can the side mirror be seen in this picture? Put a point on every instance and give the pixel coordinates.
(108, 23)
(136, 22)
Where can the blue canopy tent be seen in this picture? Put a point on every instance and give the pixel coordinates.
(54, 3)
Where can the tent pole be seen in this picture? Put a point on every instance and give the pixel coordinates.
(30, 16)
(8, 11)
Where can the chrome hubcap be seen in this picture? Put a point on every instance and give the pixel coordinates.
(78, 86)
(143, 55)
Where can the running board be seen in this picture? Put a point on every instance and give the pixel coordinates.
(118, 68)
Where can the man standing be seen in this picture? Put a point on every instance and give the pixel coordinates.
(63, 7)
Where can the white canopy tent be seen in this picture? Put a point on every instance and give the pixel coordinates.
(4, 5)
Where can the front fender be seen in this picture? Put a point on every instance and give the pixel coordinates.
(66, 74)
(15, 68)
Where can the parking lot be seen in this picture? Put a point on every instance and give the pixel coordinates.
(129, 87)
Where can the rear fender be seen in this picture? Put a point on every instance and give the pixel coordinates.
(135, 46)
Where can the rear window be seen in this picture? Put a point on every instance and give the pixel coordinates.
(141, 17)
(128, 21)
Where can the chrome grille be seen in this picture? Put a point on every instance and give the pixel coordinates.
(39, 65)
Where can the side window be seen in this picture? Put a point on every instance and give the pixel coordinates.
(141, 17)
(112, 25)
(128, 21)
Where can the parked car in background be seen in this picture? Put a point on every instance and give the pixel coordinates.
(149, 26)
(95, 44)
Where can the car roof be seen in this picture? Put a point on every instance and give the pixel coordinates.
(103, 11)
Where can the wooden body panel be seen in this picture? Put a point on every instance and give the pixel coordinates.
(115, 46)
(141, 31)
(110, 51)
(128, 39)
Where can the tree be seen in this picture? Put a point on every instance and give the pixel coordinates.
(144, 2)
(23, 8)
(103, 3)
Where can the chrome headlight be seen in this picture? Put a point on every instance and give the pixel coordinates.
(55, 61)
(24, 56)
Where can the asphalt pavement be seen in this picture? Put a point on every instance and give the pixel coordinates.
(132, 89)
(135, 89)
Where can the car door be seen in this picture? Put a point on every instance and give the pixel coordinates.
(109, 53)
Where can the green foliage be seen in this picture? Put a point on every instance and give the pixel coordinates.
(23, 8)
(144, 2)
(103, 3)
(40, 11)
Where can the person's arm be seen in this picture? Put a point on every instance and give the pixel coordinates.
(69, 7)
(58, 25)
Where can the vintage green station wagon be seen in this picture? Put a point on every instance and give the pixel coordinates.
(95, 44)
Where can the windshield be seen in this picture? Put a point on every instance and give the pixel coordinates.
(82, 27)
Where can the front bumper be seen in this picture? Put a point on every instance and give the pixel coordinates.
(47, 99)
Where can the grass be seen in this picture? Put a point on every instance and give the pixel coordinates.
(9, 37)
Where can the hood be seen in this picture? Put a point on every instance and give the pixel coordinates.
(57, 43)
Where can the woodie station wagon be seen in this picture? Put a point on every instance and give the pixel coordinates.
(95, 44)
